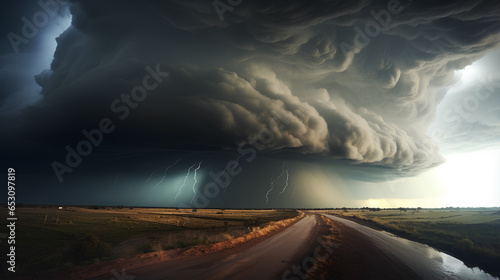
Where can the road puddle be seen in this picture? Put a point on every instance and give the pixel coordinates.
(449, 264)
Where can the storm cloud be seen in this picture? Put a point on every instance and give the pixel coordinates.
(470, 113)
(357, 80)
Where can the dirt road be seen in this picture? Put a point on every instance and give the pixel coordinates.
(418, 259)
(363, 253)
(265, 260)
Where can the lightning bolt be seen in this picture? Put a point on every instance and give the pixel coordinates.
(114, 184)
(145, 183)
(272, 186)
(184, 183)
(293, 192)
(195, 181)
(165, 173)
(274, 182)
(286, 184)
(237, 163)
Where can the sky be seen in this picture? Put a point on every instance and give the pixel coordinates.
(247, 104)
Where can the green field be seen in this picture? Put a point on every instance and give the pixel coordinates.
(48, 238)
(470, 234)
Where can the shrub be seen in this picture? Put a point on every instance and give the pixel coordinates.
(88, 247)
(145, 248)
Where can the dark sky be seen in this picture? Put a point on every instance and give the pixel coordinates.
(305, 99)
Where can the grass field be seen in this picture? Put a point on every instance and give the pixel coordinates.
(48, 238)
(472, 235)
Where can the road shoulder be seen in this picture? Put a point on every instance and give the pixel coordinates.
(357, 258)
(174, 255)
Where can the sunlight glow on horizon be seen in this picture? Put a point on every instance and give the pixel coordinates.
(465, 180)
(472, 179)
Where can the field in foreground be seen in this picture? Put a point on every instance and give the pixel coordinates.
(472, 235)
(51, 239)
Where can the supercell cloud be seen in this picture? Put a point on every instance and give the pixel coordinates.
(353, 80)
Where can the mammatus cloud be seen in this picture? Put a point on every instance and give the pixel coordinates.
(357, 81)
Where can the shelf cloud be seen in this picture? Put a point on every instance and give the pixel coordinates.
(356, 81)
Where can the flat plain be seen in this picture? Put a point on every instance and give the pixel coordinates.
(50, 238)
(470, 234)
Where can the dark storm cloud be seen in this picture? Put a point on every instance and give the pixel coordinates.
(17, 87)
(344, 94)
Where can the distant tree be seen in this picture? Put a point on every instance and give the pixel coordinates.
(194, 210)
